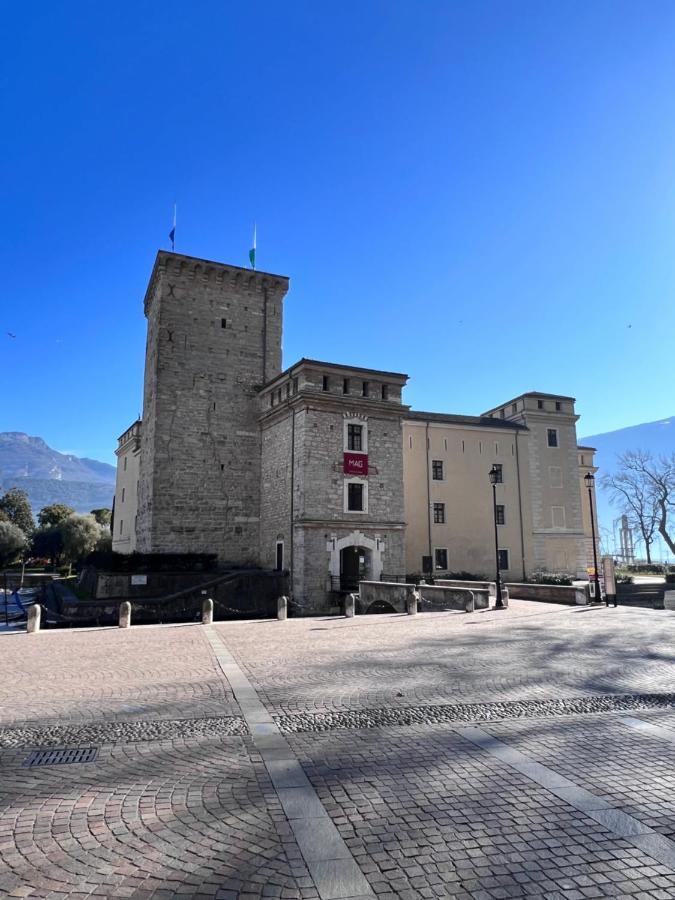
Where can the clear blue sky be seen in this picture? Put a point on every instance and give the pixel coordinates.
(481, 194)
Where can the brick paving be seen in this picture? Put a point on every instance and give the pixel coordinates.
(175, 806)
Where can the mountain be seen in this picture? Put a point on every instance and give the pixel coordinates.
(656, 437)
(48, 476)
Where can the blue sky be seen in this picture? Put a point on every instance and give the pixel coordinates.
(480, 194)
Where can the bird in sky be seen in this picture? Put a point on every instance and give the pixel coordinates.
(12, 336)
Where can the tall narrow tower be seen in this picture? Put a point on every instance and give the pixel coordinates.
(214, 338)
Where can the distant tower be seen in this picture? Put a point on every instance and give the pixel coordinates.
(214, 338)
(626, 542)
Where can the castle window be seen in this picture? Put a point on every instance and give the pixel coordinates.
(345, 385)
(123, 492)
(295, 385)
(355, 437)
(125, 463)
(439, 513)
(502, 413)
(223, 323)
(437, 469)
(540, 404)
(325, 383)
(365, 390)
(552, 437)
(385, 392)
(499, 469)
(558, 405)
(441, 558)
(121, 525)
(514, 407)
(503, 560)
(500, 518)
(355, 496)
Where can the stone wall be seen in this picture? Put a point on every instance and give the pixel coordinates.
(439, 598)
(381, 592)
(549, 593)
(214, 338)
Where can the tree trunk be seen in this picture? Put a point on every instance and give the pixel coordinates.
(663, 521)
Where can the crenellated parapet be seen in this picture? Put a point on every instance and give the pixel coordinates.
(188, 270)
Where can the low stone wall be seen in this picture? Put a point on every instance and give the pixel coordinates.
(550, 593)
(437, 597)
(488, 586)
(377, 593)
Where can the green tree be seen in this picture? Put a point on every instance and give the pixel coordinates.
(12, 542)
(54, 514)
(16, 507)
(80, 536)
(102, 516)
(48, 541)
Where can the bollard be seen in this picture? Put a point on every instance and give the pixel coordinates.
(207, 611)
(34, 614)
(412, 604)
(125, 614)
(282, 608)
(350, 605)
(470, 604)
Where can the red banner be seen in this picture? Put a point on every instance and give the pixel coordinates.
(355, 464)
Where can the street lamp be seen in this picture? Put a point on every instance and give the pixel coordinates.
(589, 478)
(495, 478)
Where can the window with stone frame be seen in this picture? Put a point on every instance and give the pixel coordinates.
(355, 437)
(355, 496)
(503, 560)
(439, 513)
(552, 437)
(437, 469)
(441, 558)
(500, 517)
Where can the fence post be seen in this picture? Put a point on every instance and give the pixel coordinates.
(412, 604)
(34, 614)
(350, 606)
(207, 611)
(125, 614)
(470, 604)
(282, 608)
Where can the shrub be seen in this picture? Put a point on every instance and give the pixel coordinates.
(550, 578)
(670, 578)
(466, 576)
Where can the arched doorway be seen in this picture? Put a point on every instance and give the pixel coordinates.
(355, 566)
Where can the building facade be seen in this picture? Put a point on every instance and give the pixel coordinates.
(321, 469)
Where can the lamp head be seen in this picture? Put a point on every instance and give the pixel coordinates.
(494, 475)
(589, 478)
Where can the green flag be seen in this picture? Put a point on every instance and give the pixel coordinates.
(251, 252)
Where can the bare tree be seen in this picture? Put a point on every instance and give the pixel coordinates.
(644, 488)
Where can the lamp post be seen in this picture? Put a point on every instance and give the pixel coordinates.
(589, 478)
(494, 480)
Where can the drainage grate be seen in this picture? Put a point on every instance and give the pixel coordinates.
(58, 757)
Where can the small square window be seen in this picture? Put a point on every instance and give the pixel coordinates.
(552, 437)
(439, 513)
(345, 385)
(437, 469)
(365, 391)
(325, 383)
(441, 559)
(500, 518)
(385, 392)
(503, 560)
(355, 497)
(499, 471)
(355, 437)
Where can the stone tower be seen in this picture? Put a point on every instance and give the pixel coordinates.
(214, 338)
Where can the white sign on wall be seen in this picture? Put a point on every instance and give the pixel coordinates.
(139, 579)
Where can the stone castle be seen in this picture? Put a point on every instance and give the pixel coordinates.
(321, 469)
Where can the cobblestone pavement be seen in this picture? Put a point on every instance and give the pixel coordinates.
(488, 755)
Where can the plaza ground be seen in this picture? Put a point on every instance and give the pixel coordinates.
(526, 753)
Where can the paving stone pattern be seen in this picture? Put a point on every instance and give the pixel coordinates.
(555, 777)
